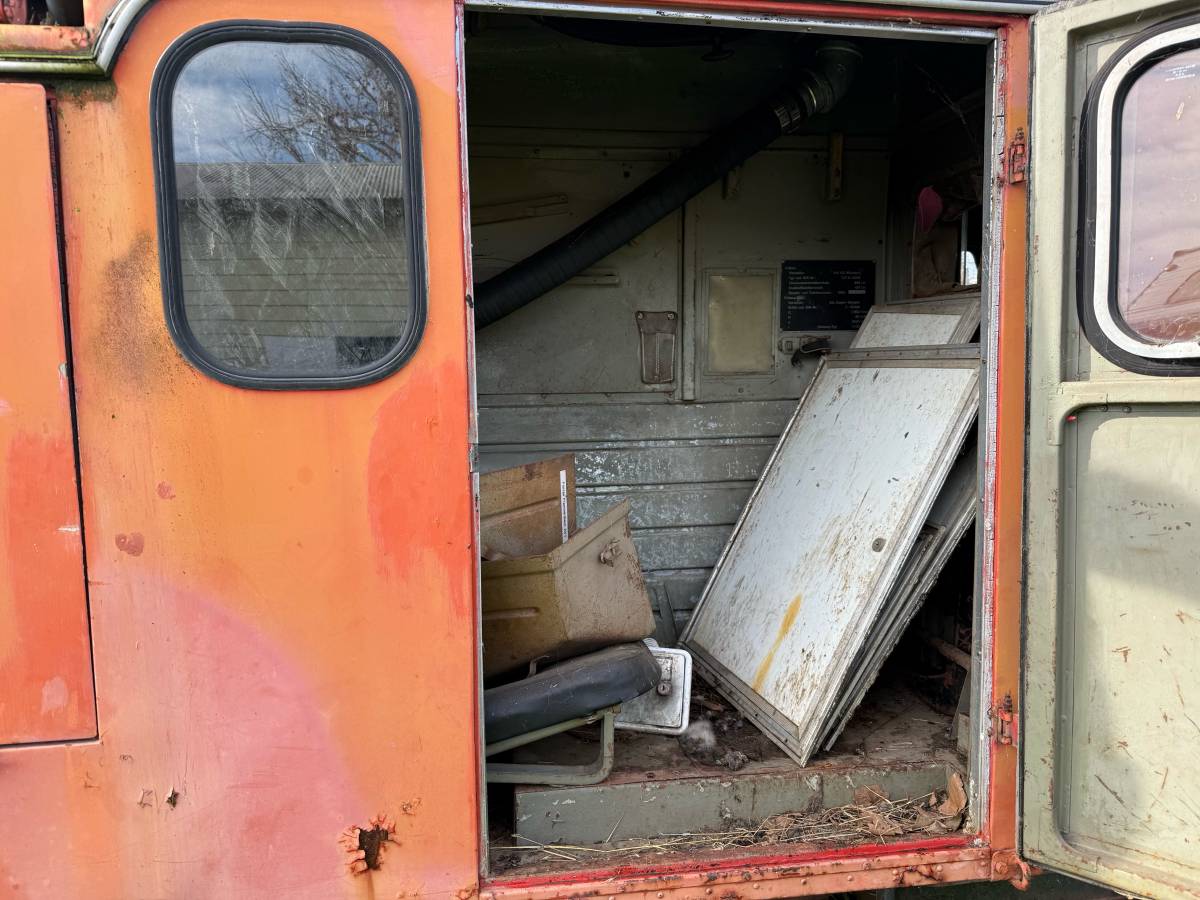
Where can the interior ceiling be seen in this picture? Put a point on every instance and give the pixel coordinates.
(524, 71)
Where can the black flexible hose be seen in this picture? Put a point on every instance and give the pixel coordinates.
(816, 92)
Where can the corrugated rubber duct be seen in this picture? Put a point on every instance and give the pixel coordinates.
(817, 90)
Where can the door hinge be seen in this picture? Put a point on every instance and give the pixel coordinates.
(1008, 866)
(1016, 158)
(1001, 725)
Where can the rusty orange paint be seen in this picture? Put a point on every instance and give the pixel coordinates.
(45, 652)
(285, 636)
(800, 874)
(44, 39)
(283, 585)
(50, 41)
(1001, 828)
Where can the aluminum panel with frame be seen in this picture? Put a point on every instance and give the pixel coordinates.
(826, 532)
(1112, 486)
(952, 514)
(924, 323)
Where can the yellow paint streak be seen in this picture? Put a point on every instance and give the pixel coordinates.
(789, 619)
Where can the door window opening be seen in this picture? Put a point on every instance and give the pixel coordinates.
(289, 205)
(1139, 288)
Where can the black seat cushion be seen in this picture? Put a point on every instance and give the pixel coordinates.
(569, 690)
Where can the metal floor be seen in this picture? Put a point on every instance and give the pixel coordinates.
(895, 742)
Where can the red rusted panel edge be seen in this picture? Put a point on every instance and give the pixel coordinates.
(815, 872)
(762, 862)
(45, 39)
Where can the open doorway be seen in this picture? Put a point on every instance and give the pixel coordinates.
(666, 371)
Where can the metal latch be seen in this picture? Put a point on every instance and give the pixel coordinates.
(1017, 158)
(1001, 715)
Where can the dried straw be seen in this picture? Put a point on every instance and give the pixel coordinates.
(855, 822)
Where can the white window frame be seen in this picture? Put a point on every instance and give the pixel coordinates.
(1112, 84)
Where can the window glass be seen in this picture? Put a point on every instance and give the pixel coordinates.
(1158, 220)
(294, 233)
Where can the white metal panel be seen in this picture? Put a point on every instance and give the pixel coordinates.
(919, 324)
(951, 516)
(825, 534)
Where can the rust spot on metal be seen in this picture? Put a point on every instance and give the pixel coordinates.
(80, 92)
(785, 627)
(132, 342)
(133, 543)
(365, 847)
(1007, 866)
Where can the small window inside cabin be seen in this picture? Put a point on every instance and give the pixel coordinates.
(292, 215)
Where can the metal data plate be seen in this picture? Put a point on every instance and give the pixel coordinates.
(658, 713)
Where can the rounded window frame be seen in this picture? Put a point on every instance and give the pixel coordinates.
(1099, 211)
(162, 95)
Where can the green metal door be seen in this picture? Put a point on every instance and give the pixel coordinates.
(1110, 731)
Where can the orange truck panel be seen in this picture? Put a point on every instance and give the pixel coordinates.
(45, 652)
(282, 583)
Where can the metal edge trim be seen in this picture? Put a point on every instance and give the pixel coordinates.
(780, 21)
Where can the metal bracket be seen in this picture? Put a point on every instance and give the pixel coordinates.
(1001, 715)
(1008, 866)
(657, 333)
(553, 773)
(1016, 159)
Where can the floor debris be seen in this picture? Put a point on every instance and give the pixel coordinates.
(853, 823)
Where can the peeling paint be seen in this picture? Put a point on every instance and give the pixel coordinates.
(133, 543)
(54, 695)
(364, 848)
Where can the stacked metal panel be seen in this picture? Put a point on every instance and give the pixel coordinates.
(837, 538)
(952, 515)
